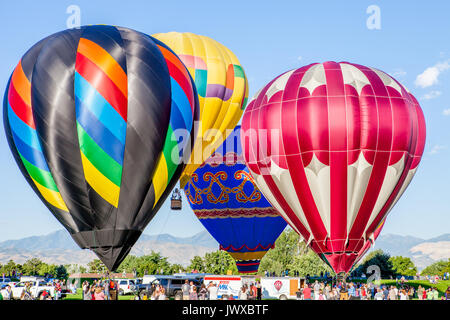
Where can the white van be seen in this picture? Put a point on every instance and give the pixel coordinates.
(126, 286)
(227, 285)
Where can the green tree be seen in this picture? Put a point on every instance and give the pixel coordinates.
(403, 266)
(47, 269)
(153, 263)
(219, 262)
(32, 266)
(281, 257)
(197, 263)
(381, 259)
(309, 264)
(176, 268)
(9, 267)
(96, 266)
(437, 268)
(129, 264)
(61, 272)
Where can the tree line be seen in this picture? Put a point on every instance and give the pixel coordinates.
(291, 256)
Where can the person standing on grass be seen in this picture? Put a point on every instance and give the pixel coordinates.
(379, 295)
(86, 291)
(435, 294)
(321, 296)
(243, 294)
(420, 291)
(162, 294)
(403, 295)
(203, 292)
(447, 294)
(306, 292)
(193, 295)
(185, 289)
(212, 289)
(99, 294)
(316, 289)
(351, 291)
(392, 294)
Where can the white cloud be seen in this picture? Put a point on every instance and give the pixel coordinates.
(299, 58)
(398, 73)
(431, 74)
(446, 112)
(431, 95)
(436, 148)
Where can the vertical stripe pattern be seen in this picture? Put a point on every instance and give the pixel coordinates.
(25, 138)
(222, 89)
(97, 119)
(101, 94)
(333, 146)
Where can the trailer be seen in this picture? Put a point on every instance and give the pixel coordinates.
(282, 288)
(227, 285)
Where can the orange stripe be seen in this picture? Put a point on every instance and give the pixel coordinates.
(174, 59)
(21, 84)
(104, 61)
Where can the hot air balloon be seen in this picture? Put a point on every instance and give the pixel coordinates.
(225, 199)
(333, 146)
(222, 89)
(90, 116)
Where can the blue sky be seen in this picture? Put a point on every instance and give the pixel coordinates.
(269, 38)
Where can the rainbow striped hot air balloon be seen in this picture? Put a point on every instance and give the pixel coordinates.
(90, 116)
(222, 89)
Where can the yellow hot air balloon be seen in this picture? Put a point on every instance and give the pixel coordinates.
(222, 91)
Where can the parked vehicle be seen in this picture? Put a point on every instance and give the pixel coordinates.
(282, 288)
(6, 281)
(227, 285)
(172, 284)
(36, 289)
(126, 286)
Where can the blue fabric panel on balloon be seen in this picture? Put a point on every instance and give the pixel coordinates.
(227, 202)
(252, 232)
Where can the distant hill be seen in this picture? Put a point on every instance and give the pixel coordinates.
(423, 252)
(58, 247)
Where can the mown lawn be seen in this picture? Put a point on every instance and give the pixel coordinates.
(79, 296)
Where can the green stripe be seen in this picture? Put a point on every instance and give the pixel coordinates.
(171, 147)
(244, 104)
(99, 158)
(238, 71)
(43, 177)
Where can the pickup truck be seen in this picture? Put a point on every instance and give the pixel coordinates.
(37, 288)
(172, 284)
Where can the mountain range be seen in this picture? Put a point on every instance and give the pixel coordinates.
(59, 248)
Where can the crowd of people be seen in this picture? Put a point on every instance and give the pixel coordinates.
(362, 291)
(105, 289)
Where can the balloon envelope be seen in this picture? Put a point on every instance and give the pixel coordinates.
(229, 205)
(333, 146)
(222, 89)
(90, 115)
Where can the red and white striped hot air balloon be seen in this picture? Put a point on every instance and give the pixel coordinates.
(333, 146)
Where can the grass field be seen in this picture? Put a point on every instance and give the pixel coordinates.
(79, 296)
